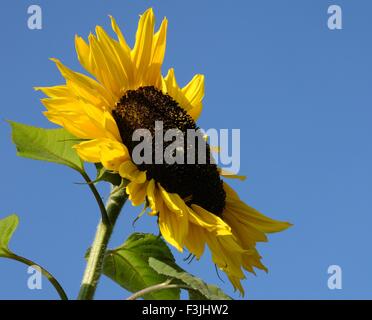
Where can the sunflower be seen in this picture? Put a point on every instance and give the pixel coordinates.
(194, 206)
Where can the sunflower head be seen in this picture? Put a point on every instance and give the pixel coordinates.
(126, 92)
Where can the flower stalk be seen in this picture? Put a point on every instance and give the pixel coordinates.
(97, 252)
(62, 294)
(157, 287)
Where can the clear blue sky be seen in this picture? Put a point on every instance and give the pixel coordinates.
(300, 93)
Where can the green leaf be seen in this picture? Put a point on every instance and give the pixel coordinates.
(7, 227)
(53, 145)
(108, 176)
(128, 265)
(214, 293)
(200, 290)
(196, 295)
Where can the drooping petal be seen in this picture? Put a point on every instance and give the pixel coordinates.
(195, 240)
(236, 282)
(248, 235)
(113, 154)
(108, 152)
(90, 151)
(129, 171)
(247, 215)
(253, 260)
(172, 228)
(154, 198)
(209, 221)
(136, 192)
(226, 254)
(173, 201)
(174, 206)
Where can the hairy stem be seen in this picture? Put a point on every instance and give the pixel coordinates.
(45, 272)
(97, 252)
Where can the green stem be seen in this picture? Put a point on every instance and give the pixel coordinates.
(98, 198)
(97, 252)
(45, 272)
(156, 287)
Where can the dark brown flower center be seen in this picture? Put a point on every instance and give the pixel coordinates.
(197, 183)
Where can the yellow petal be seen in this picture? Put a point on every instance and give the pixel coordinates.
(173, 202)
(209, 221)
(247, 234)
(173, 228)
(159, 44)
(253, 260)
(113, 154)
(83, 120)
(190, 97)
(136, 192)
(141, 53)
(61, 91)
(103, 120)
(86, 87)
(245, 214)
(110, 125)
(120, 58)
(83, 53)
(171, 87)
(154, 197)
(89, 151)
(194, 93)
(129, 171)
(226, 253)
(63, 104)
(236, 283)
(153, 74)
(228, 174)
(120, 36)
(104, 67)
(108, 152)
(195, 240)
(76, 123)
